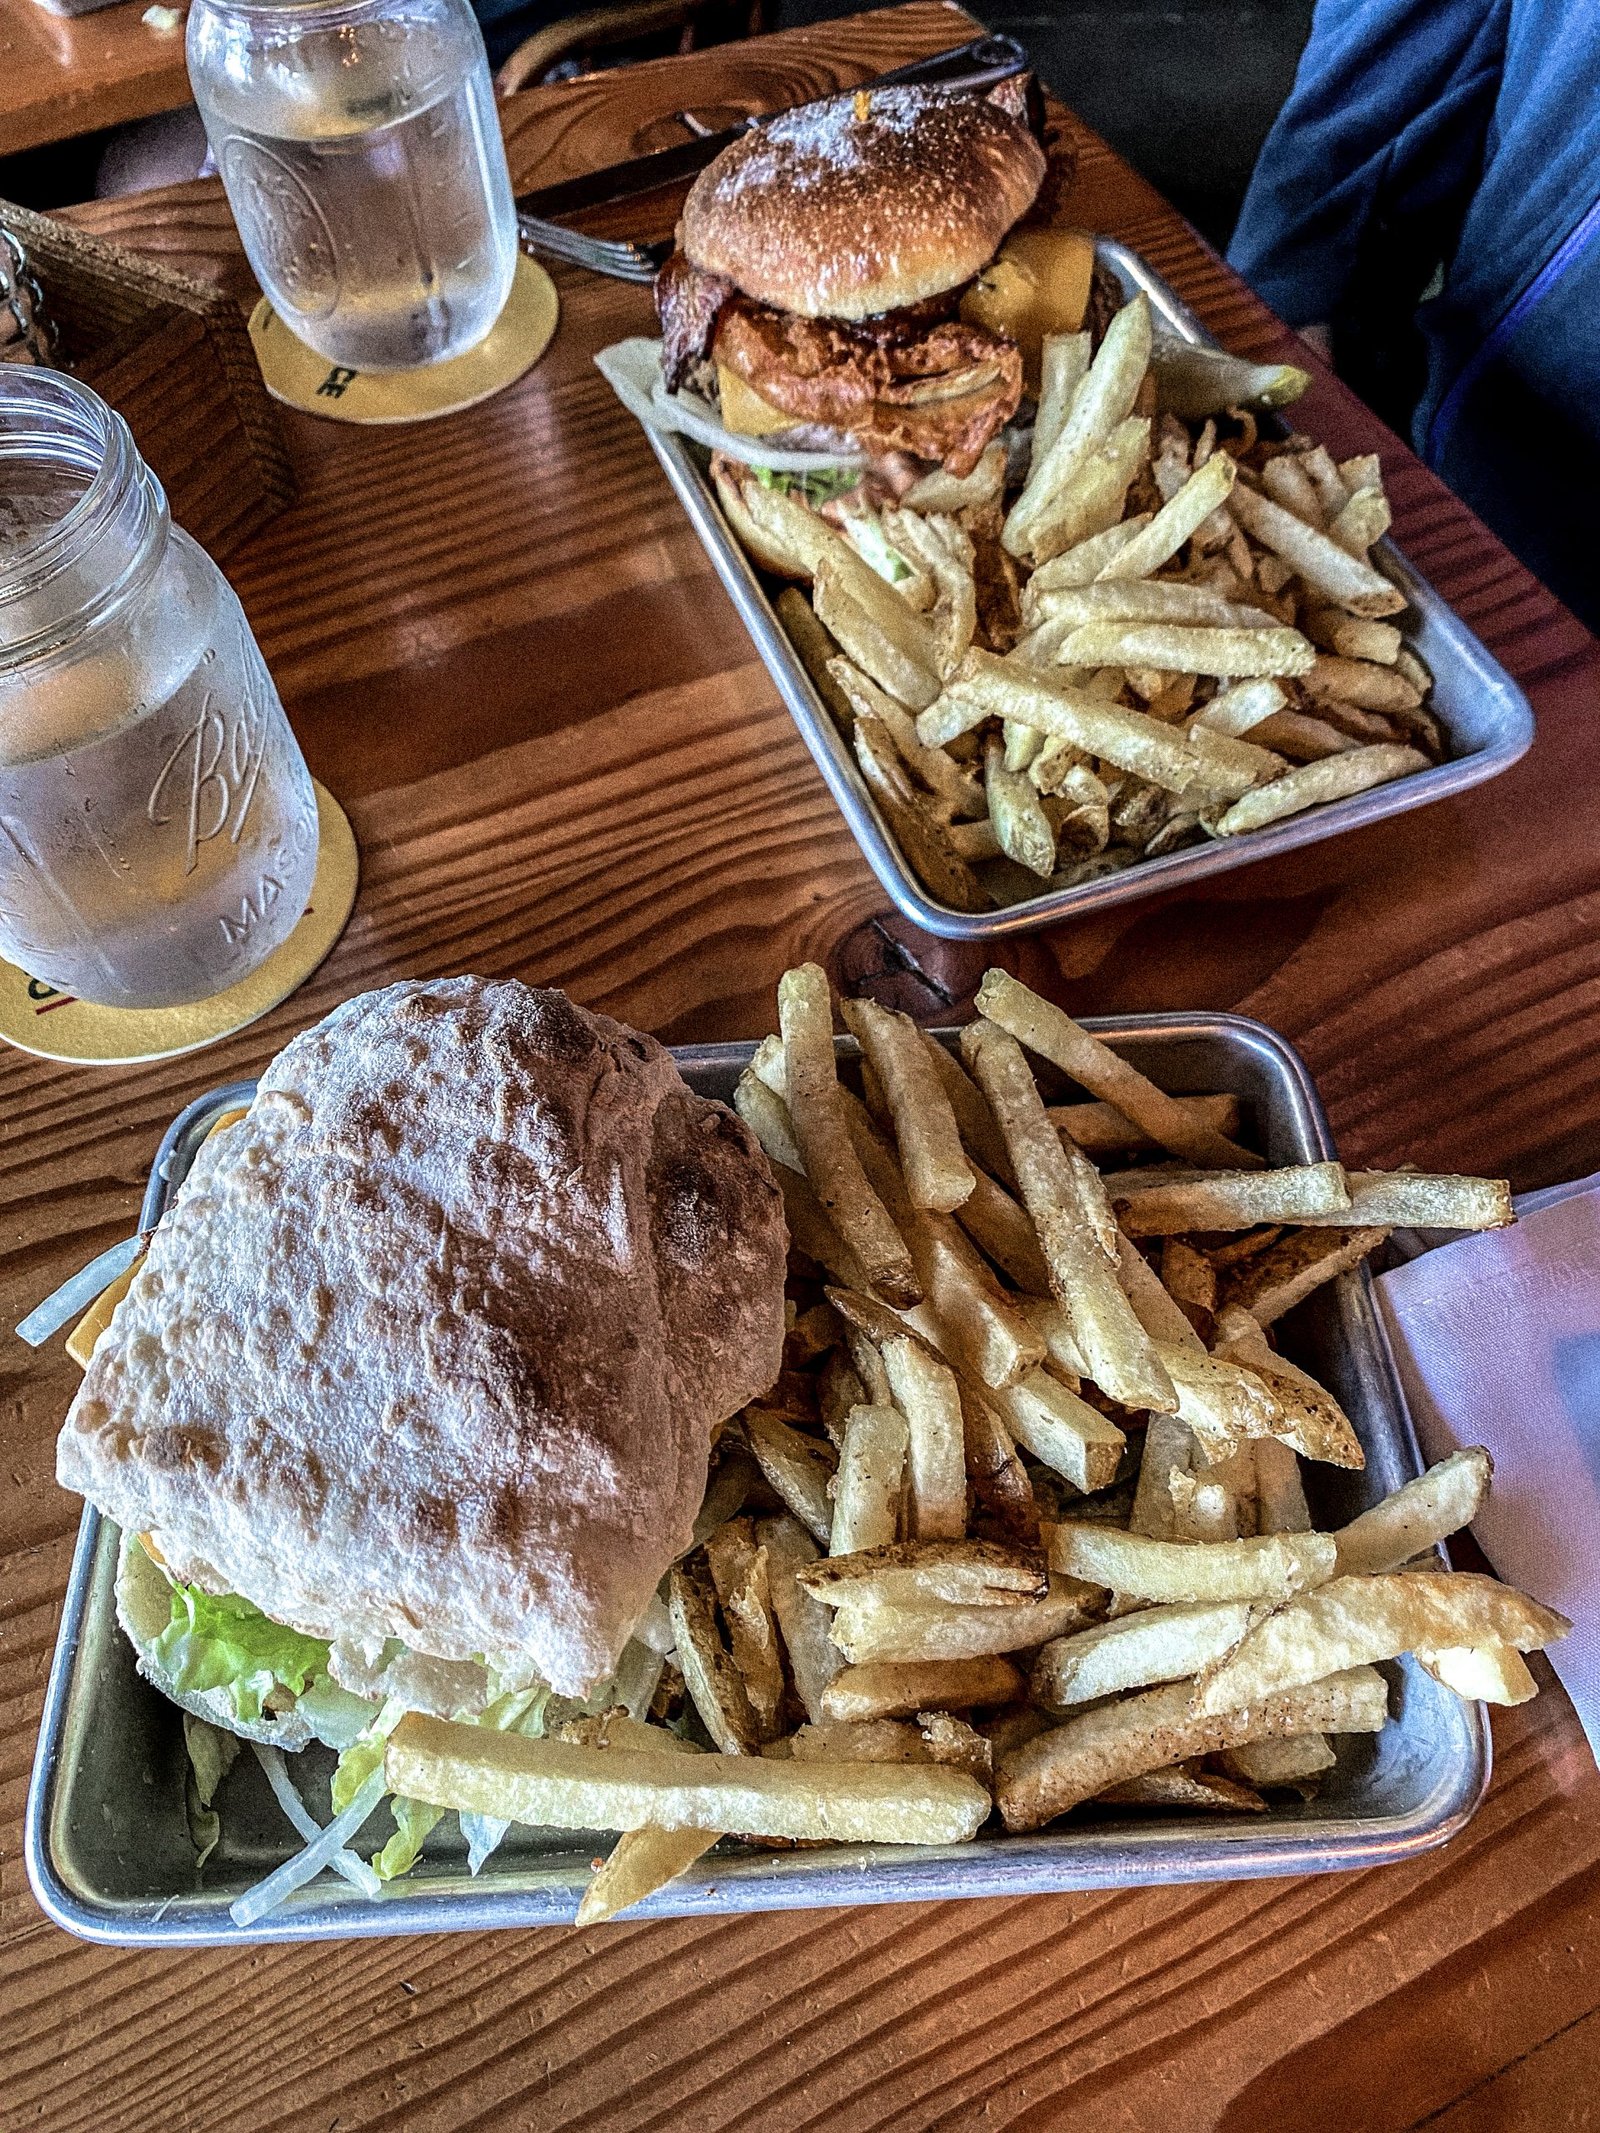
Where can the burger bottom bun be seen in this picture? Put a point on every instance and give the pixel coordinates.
(144, 1609)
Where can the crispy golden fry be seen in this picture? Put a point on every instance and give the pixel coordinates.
(1225, 1403)
(1083, 564)
(715, 1684)
(1418, 1516)
(738, 1569)
(1413, 1199)
(812, 1233)
(943, 776)
(1063, 366)
(1310, 1418)
(1047, 1030)
(862, 1740)
(876, 628)
(1206, 488)
(1360, 682)
(1280, 1495)
(937, 1172)
(1293, 1268)
(1130, 600)
(1152, 1205)
(1101, 403)
(1172, 648)
(1095, 495)
(1001, 1228)
(866, 1500)
(1483, 1673)
(873, 1631)
(642, 1861)
(1062, 1431)
(984, 687)
(926, 1393)
(1003, 1494)
(813, 1656)
(979, 1133)
(1348, 581)
(554, 1785)
(821, 1130)
(940, 491)
(1241, 708)
(1100, 1129)
(1364, 519)
(1109, 1336)
(967, 1573)
(924, 840)
(1057, 1770)
(1351, 638)
(1287, 482)
(1186, 1785)
(1357, 1621)
(798, 1467)
(767, 1116)
(817, 649)
(1022, 829)
(1271, 1567)
(862, 1693)
(1139, 1650)
(1154, 1306)
(1169, 1451)
(1281, 1762)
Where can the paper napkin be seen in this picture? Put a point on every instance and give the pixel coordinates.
(1497, 1337)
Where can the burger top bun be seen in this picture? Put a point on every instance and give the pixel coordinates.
(868, 202)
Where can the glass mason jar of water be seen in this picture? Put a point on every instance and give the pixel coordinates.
(158, 825)
(362, 157)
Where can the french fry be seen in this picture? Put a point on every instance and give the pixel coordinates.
(1326, 480)
(1062, 1431)
(553, 1784)
(1364, 519)
(779, 530)
(942, 547)
(1225, 1403)
(1083, 564)
(1295, 1267)
(937, 1172)
(859, 1694)
(1360, 682)
(1003, 1495)
(1287, 482)
(738, 1568)
(955, 788)
(926, 1393)
(1134, 599)
(1242, 708)
(1280, 1495)
(1351, 638)
(1113, 1343)
(1348, 581)
(870, 1632)
(1022, 829)
(940, 491)
(641, 1861)
(1102, 402)
(1150, 1206)
(866, 1499)
(876, 628)
(813, 1656)
(1047, 1030)
(1271, 1567)
(967, 1573)
(1155, 1308)
(1281, 1762)
(812, 1233)
(1173, 648)
(1057, 1770)
(925, 842)
(767, 1116)
(799, 1468)
(1139, 1650)
(1483, 1673)
(1357, 1621)
(1186, 1785)
(1412, 1199)
(817, 648)
(1206, 488)
(1063, 366)
(1100, 1129)
(822, 1133)
(862, 1740)
(1310, 1418)
(1169, 1451)
(715, 1685)
(1417, 1516)
(979, 1133)
(1095, 495)
(1001, 1228)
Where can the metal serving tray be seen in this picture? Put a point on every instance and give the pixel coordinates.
(107, 1847)
(1486, 718)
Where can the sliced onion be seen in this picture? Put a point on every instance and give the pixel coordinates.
(355, 1871)
(74, 1297)
(305, 1866)
(483, 1834)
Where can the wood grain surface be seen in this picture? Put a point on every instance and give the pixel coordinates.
(506, 653)
(65, 75)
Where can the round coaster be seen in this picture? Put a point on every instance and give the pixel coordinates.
(301, 378)
(55, 1025)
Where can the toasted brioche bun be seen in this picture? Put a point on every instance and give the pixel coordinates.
(864, 203)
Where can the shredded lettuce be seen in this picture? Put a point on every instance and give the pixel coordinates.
(220, 1641)
(867, 537)
(816, 488)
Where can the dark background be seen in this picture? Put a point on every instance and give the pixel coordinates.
(1184, 89)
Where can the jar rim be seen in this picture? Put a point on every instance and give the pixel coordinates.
(73, 429)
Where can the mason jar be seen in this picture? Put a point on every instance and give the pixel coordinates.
(361, 153)
(158, 825)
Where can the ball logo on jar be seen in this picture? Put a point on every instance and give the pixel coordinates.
(211, 774)
(282, 223)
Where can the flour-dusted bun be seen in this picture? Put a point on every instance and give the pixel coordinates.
(433, 1342)
(865, 203)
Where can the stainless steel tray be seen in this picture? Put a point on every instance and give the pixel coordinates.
(106, 1843)
(1486, 718)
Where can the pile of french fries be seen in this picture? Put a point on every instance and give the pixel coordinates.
(1021, 1525)
(1175, 631)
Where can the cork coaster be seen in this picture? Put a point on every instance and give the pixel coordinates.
(301, 378)
(55, 1025)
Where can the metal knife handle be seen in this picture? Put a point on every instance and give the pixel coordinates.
(978, 65)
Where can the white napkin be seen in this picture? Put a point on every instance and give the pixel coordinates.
(1498, 1341)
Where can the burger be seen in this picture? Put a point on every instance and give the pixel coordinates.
(409, 1405)
(827, 291)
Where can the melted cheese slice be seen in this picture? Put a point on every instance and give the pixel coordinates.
(743, 409)
(1038, 283)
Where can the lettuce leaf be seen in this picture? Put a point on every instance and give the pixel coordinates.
(220, 1641)
(815, 488)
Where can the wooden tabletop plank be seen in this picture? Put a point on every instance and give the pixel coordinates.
(507, 654)
(64, 75)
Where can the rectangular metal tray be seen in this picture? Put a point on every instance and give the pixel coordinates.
(1486, 717)
(107, 1848)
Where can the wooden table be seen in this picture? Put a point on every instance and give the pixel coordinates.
(507, 654)
(61, 76)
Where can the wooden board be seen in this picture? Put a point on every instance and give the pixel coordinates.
(65, 75)
(508, 657)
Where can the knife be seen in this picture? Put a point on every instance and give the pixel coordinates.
(978, 65)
